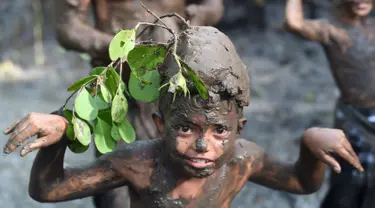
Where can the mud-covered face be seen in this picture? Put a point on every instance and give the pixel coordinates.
(360, 8)
(199, 137)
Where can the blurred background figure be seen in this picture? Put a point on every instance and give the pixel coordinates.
(347, 37)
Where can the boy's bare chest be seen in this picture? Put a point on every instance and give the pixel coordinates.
(353, 67)
(359, 47)
(215, 191)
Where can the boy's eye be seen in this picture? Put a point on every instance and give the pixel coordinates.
(221, 129)
(184, 129)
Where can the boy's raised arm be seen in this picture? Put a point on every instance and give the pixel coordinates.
(306, 175)
(315, 30)
(49, 181)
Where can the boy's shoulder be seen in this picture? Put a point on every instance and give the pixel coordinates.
(136, 161)
(139, 150)
(247, 151)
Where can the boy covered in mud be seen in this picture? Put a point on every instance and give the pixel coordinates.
(199, 160)
(348, 38)
(75, 33)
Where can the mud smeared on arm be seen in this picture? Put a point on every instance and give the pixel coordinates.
(50, 182)
(305, 176)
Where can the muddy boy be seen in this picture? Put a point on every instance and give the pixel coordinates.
(74, 32)
(199, 160)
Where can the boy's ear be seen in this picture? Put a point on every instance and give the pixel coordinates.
(241, 123)
(159, 122)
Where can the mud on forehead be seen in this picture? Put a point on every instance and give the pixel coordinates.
(196, 103)
(212, 55)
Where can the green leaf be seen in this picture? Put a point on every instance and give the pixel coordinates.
(122, 44)
(76, 147)
(116, 76)
(68, 114)
(146, 58)
(106, 94)
(112, 81)
(100, 104)
(80, 83)
(115, 132)
(126, 131)
(142, 92)
(70, 132)
(119, 107)
(81, 131)
(198, 83)
(85, 106)
(103, 139)
(97, 70)
(123, 87)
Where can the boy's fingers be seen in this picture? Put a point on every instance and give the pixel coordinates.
(37, 144)
(349, 148)
(11, 127)
(22, 132)
(344, 153)
(329, 160)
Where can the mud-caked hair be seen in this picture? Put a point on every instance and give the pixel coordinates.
(213, 57)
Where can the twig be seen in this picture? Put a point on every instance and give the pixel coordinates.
(186, 23)
(121, 68)
(174, 14)
(156, 25)
(149, 42)
(70, 96)
(174, 53)
(158, 19)
(116, 63)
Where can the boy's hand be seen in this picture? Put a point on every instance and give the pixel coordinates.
(48, 128)
(322, 142)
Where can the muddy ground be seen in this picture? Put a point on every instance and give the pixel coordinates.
(292, 89)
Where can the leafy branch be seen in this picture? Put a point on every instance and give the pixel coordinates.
(100, 105)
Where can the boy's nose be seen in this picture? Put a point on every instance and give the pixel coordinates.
(201, 145)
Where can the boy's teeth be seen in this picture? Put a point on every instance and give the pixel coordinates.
(199, 160)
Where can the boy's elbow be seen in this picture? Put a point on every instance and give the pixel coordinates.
(68, 34)
(311, 188)
(63, 36)
(38, 196)
(293, 24)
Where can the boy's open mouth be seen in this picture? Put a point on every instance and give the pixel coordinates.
(199, 162)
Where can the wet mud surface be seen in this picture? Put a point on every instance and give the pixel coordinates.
(292, 89)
